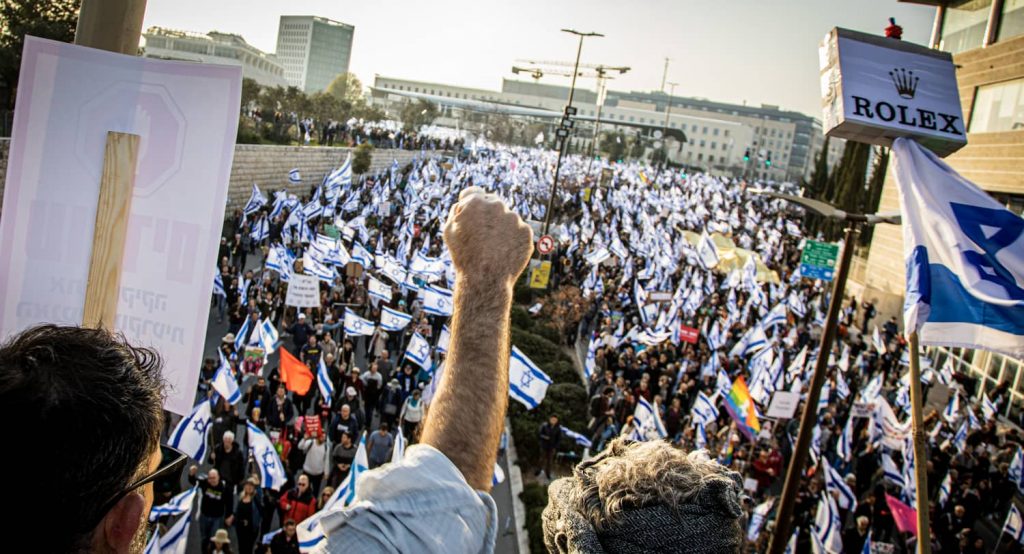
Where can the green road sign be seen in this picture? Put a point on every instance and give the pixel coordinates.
(819, 260)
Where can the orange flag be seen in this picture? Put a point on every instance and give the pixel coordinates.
(294, 374)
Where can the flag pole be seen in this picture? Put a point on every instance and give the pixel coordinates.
(809, 418)
(924, 545)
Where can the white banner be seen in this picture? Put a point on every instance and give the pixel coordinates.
(186, 115)
(303, 292)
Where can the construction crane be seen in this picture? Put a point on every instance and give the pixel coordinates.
(600, 72)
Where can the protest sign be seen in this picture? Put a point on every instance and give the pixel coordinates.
(303, 292)
(186, 117)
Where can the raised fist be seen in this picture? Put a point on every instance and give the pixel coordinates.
(487, 241)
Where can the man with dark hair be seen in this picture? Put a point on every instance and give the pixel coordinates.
(103, 398)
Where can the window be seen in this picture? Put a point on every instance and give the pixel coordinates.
(700, 157)
(1011, 24)
(704, 131)
(702, 143)
(716, 132)
(963, 28)
(727, 133)
(998, 107)
(693, 128)
(714, 145)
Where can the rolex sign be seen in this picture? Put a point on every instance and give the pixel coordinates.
(875, 89)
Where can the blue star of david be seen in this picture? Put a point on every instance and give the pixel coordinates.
(200, 426)
(526, 379)
(268, 460)
(442, 303)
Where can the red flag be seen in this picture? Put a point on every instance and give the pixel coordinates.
(905, 516)
(294, 374)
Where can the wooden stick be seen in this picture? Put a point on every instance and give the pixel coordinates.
(924, 543)
(116, 186)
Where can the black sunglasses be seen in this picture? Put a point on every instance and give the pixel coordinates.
(172, 460)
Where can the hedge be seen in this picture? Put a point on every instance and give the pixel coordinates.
(535, 498)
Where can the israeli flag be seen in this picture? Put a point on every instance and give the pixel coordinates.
(965, 257)
(272, 474)
(499, 475)
(945, 489)
(757, 518)
(796, 304)
(988, 408)
(419, 351)
(398, 452)
(294, 176)
(224, 382)
(189, 435)
(362, 256)
(835, 483)
(597, 256)
(218, 285)
(704, 410)
(393, 320)
(379, 290)
(175, 541)
(240, 335)
(269, 339)
(357, 326)
(1016, 473)
(256, 201)
(153, 546)
(960, 438)
(827, 526)
(648, 421)
(309, 530)
(891, 472)
(578, 438)
(952, 411)
(844, 447)
(443, 338)
(393, 271)
(777, 316)
(590, 365)
(1014, 525)
(700, 436)
(526, 382)
(436, 301)
(323, 380)
(177, 505)
(707, 252)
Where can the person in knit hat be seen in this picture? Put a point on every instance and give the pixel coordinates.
(646, 497)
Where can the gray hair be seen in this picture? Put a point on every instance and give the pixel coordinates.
(647, 494)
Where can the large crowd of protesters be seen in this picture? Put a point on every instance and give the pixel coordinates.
(621, 236)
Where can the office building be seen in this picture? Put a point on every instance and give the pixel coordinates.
(313, 50)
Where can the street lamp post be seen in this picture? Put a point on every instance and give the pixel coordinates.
(664, 130)
(563, 131)
(809, 417)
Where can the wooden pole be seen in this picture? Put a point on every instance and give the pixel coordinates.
(112, 25)
(116, 185)
(115, 26)
(924, 544)
(809, 417)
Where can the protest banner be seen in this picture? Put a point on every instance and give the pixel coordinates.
(303, 292)
(55, 220)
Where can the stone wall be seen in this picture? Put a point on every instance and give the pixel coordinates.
(268, 167)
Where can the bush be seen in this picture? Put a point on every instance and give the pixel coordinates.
(535, 499)
(521, 318)
(521, 293)
(549, 332)
(248, 135)
(566, 400)
(362, 158)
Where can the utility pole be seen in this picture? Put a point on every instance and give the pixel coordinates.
(664, 130)
(567, 122)
(664, 75)
(809, 417)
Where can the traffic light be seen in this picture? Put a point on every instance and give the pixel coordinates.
(746, 155)
(768, 160)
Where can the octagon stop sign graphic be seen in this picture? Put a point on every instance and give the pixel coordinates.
(157, 120)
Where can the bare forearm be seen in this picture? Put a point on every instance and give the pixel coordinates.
(466, 416)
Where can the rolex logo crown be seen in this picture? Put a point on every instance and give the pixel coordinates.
(904, 81)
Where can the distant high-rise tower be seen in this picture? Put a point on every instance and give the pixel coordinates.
(313, 50)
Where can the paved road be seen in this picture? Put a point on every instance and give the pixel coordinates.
(506, 543)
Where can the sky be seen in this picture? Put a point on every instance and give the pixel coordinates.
(753, 51)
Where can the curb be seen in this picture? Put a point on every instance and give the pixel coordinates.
(515, 480)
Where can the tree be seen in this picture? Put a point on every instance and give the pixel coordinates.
(362, 159)
(348, 90)
(325, 107)
(250, 94)
(613, 145)
(816, 189)
(52, 19)
(415, 115)
(874, 194)
(847, 190)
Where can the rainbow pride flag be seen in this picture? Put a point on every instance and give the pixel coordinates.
(741, 407)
